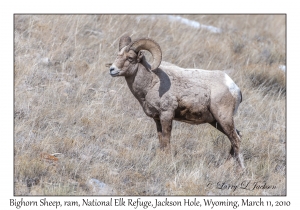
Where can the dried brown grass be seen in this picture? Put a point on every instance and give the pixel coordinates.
(66, 102)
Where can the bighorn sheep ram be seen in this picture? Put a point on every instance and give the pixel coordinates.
(167, 92)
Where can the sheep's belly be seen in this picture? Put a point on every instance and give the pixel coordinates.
(193, 122)
(203, 116)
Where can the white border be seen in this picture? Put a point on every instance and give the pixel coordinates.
(153, 6)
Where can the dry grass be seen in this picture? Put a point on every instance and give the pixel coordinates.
(66, 102)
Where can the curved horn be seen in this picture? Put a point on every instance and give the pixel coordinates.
(151, 46)
(124, 41)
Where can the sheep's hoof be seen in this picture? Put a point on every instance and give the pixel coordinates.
(239, 160)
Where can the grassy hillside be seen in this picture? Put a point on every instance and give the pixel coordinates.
(66, 102)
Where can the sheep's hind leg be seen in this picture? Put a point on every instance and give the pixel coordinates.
(235, 146)
(217, 126)
(227, 127)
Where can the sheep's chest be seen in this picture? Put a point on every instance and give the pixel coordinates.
(150, 110)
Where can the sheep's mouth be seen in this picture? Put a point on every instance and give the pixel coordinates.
(114, 74)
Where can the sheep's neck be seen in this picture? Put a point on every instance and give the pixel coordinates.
(140, 82)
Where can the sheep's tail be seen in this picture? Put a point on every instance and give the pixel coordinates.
(238, 101)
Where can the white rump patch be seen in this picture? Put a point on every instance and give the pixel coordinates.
(234, 90)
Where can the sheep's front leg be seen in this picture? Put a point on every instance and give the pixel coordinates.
(159, 130)
(166, 127)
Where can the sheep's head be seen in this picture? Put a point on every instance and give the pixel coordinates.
(130, 54)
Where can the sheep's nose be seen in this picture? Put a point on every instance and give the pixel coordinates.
(111, 69)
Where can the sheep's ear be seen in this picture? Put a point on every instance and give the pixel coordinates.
(140, 56)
